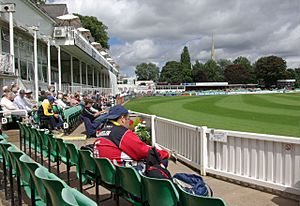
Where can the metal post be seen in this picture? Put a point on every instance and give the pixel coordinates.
(203, 158)
(11, 41)
(86, 74)
(153, 137)
(59, 67)
(36, 80)
(49, 61)
(71, 62)
(80, 72)
(93, 74)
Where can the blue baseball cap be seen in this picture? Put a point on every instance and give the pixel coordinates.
(51, 99)
(116, 111)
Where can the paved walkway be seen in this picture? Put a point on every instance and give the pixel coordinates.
(233, 194)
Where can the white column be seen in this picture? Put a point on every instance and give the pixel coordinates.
(59, 67)
(93, 74)
(11, 41)
(49, 61)
(86, 74)
(36, 80)
(80, 72)
(71, 62)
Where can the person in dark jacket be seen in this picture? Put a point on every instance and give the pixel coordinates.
(117, 142)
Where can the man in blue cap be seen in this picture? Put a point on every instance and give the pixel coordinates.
(45, 112)
(117, 142)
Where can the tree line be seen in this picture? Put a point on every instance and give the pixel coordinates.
(265, 71)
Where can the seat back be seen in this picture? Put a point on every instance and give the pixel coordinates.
(90, 130)
(87, 164)
(107, 170)
(53, 186)
(129, 180)
(4, 145)
(159, 191)
(14, 154)
(73, 197)
(31, 167)
(187, 199)
(61, 147)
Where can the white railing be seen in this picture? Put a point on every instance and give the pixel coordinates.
(265, 160)
(99, 90)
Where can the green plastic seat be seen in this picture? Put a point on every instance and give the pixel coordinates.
(75, 198)
(43, 144)
(21, 133)
(35, 183)
(53, 152)
(21, 172)
(159, 191)
(4, 145)
(72, 154)
(87, 168)
(53, 186)
(106, 177)
(187, 199)
(35, 139)
(129, 184)
(27, 139)
(64, 156)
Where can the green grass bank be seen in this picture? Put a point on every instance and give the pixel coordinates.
(277, 114)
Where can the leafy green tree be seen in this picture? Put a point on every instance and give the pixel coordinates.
(297, 77)
(171, 72)
(198, 72)
(185, 57)
(270, 69)
(290, 74)
(247, 65)
(97, 28)
(147, 71)
(185, 61)
(236, 74)
(223, 63)
(213, 71)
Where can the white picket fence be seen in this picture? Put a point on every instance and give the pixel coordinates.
(264, 160)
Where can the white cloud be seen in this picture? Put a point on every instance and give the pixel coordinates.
(156, 30)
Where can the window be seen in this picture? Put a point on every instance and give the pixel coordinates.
(23, 69)
(83, 73)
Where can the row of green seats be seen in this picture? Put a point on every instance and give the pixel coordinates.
(71, 116)
(41, 186)
(122, 181)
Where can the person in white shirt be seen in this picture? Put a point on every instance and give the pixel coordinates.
(21, 102)
(59, 101)
(8, 106)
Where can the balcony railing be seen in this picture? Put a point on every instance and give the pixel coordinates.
(70, 33)
(6, 66)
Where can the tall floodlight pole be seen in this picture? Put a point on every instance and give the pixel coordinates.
(36, 80)
(10, 9)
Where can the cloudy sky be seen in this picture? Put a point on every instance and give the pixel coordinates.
(157, 30)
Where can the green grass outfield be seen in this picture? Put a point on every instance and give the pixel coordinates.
(277, 114)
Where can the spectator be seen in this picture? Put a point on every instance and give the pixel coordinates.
(29, 98)
(89, 113)
(8, 106)
(118, 143)
(60, 101)
(43, 95)
(45, 112)
(22, 103)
